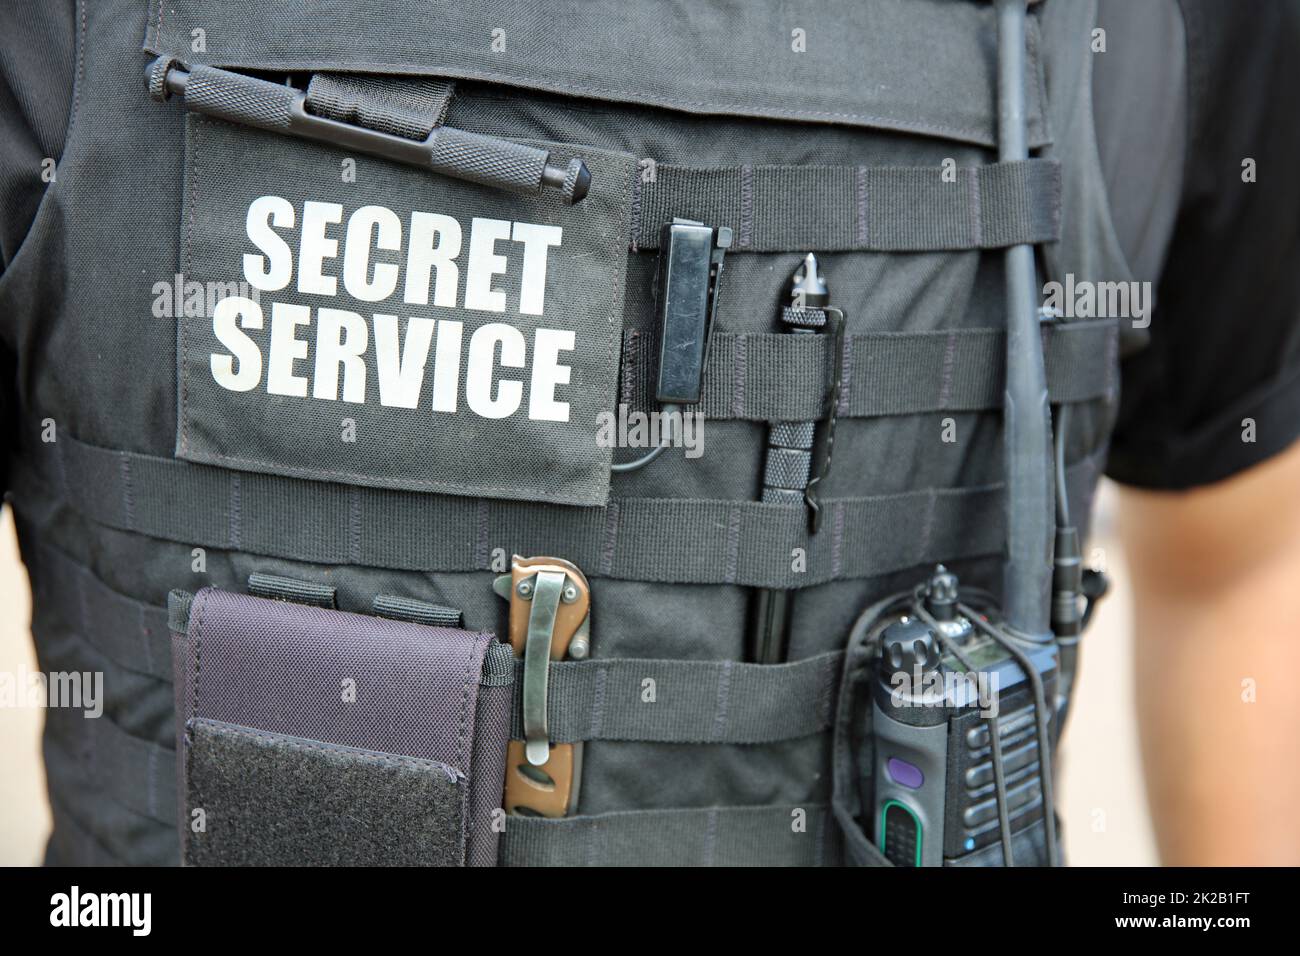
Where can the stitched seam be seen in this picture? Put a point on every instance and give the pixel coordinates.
(192, 136)
(81, 73)
(235, 519)
(611, 538)
(723, 698)
(151, 776)
(484, 542)
(354, 525)
(739, 370)
(598, 704)
(746, 237)
(733, 545)
(710, 836)
(861, 211)
(128, 498)
(846, 376)
(837, 540)
(629, 369)
(634, 227)
(976, 213)
(197, 609)
(949, 357)
(462, 747)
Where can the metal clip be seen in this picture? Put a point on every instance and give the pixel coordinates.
(821, 459)
(689, 275)
(550, 618)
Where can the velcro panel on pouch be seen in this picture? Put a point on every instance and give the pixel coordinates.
(313, 736)
(367, 809)
(382, 325)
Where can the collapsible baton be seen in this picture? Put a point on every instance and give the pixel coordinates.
(798, 454)
(277, 108)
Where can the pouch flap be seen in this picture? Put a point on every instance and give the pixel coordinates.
(299, 709)
(918, 66)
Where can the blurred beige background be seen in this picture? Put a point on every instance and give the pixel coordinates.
(24, 815)
(1102, 801)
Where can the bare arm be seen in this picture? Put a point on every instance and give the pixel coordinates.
(1216, 571)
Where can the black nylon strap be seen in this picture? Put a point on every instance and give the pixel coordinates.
(139, 776)
(421, 612)
(695, 701)
(130, 633)
(770, 376)
(843, 208)
(776, 377)
(714, 541)
(402, 106)
(276, 587)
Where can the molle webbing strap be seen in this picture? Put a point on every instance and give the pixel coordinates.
(407, 107)
(722, 702)
(179, 603)
(421, 612)
(769, 208)
(139, 776)
(714, 541)
(130, 633)
(769, 376)
(718, 836)
(865, 208)
(696, 701)
(279, 588)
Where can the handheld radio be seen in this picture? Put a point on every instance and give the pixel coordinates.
(959, 727)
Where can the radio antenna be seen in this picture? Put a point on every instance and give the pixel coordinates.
(1027, 574)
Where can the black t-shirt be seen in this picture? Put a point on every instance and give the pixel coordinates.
(1188, 94)
(1223, 364)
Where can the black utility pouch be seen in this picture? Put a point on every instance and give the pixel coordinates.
(309, 736)
(853, 746)
(918, 766)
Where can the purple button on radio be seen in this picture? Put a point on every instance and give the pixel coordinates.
(904, 774)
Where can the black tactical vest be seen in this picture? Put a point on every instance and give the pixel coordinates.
(171, 442)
